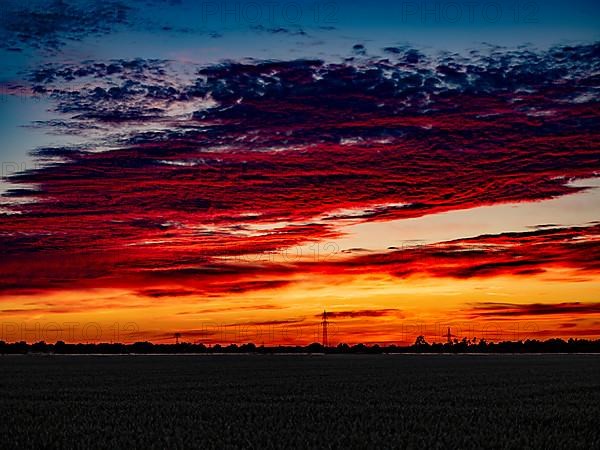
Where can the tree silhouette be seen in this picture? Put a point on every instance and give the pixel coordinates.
(420, 345)
(420, 341)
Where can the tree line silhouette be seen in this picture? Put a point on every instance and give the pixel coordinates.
(420, 346)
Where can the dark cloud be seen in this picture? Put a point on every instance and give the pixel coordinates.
(49, 24)
(265, 323)
(534, 309)
(359, 49)
(362, 313)
(279, 30)
(231, 308)
(160, 293)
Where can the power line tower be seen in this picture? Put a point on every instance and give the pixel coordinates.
(449, 336)
(325, 324)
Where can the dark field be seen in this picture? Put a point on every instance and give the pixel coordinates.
(266, 401)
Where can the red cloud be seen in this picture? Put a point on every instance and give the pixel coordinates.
(519, 254)
(167, 210)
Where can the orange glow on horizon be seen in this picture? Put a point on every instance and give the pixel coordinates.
(364, 308)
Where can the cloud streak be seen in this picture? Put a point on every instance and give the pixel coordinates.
(535, 309)
(363, 313)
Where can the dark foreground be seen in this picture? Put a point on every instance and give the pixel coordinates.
(268, 401)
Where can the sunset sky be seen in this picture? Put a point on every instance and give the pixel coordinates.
(228, 170)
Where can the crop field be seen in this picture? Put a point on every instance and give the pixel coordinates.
(290, 401)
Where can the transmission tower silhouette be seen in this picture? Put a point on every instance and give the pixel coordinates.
(449, 336)
(324, 324)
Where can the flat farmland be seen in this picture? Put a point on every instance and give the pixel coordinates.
(300, 401)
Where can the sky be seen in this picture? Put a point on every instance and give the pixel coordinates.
(229, 170)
